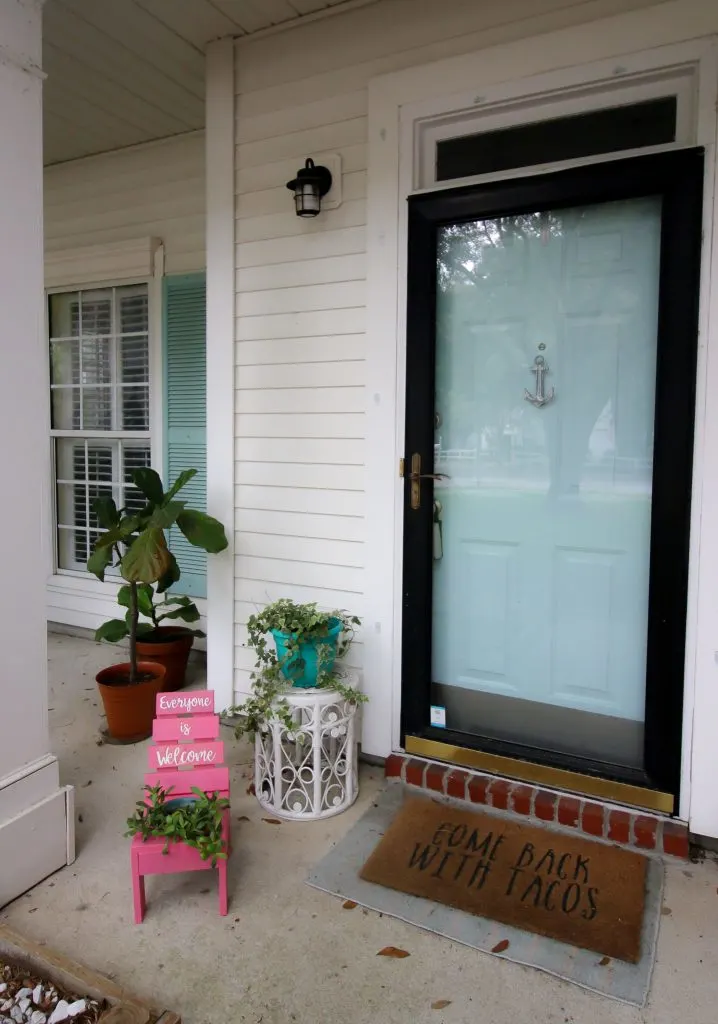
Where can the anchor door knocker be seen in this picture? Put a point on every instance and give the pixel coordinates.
(540, 398)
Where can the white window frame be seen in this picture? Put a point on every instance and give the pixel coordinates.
(102, 435)
(98, 436)
(603, 53)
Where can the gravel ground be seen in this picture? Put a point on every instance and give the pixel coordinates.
(28, 999)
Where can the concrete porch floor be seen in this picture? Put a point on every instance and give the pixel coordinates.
(286, 952)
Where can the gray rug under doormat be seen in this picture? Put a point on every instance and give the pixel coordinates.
(338, 874)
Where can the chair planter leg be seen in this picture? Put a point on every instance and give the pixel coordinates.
(227, 833)
(223, 894)
(138, 893)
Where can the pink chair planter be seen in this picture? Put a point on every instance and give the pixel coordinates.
(187, 755)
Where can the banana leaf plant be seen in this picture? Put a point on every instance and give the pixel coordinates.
(136, 544)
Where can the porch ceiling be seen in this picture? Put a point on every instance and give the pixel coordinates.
(121, 72)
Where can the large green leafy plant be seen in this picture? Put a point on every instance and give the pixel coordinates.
(197, 823)
(136, 544)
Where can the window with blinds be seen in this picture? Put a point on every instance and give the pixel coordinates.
(100, 399)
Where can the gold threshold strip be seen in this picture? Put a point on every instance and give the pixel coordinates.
(543, 775)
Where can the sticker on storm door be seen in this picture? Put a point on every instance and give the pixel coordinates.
(438, 716)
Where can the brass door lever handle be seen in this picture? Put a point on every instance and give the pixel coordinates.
(415, 478)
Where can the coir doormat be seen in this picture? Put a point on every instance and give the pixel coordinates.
(564, 887)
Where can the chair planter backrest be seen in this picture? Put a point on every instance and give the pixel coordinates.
(187, 753)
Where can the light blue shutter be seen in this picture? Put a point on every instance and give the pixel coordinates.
(185, 338)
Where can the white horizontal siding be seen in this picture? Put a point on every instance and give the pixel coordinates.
(302, 325)
(307, 298)
(319, 425)
(155, 191)
(284, 401)
(300, 499)
(298, 352)
(330, 450)
(300, 285)
(327, 374)
(307, 246)
(299, 275)
(301, 474)
(320, 525)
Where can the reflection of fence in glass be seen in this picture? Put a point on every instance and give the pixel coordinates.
(470, 467)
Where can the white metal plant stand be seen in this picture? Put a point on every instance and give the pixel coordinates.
(309, 772)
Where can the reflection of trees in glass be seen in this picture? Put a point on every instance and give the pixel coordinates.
(462, 249)
(485, 282)
(584, 282)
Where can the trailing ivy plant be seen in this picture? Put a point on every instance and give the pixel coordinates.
(136, 544)
(301, 624)
(197, 824)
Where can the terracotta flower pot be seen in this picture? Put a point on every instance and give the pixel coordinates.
(130, 709)
(168, 646)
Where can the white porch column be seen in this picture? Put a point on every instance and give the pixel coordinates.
(219, 150)
(36, 823)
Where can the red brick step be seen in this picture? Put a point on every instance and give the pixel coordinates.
(635, 829)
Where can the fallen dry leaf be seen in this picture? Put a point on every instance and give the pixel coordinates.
(392, 951)
(666, 911)
(604, 961)
(348, 904)
(272, 821)
(500, 947)
(243, 818)
(251, 790)
(441, 1004)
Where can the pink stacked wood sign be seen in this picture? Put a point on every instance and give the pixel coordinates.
(186, 755)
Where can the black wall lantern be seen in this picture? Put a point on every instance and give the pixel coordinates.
(310, 184)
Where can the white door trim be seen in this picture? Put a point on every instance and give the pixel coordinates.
(396, 102)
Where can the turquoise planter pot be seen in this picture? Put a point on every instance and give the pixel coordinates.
(178, 803)
(301, 670)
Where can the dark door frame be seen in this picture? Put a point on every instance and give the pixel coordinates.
(677, 177)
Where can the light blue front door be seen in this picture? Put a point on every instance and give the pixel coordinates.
(541, 560)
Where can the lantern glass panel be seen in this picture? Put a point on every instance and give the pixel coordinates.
(307, 199)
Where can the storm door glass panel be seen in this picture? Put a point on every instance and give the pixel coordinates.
(540, 599)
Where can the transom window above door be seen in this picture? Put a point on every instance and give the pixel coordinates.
(633, 126)
(558, 127)
(100, 401)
